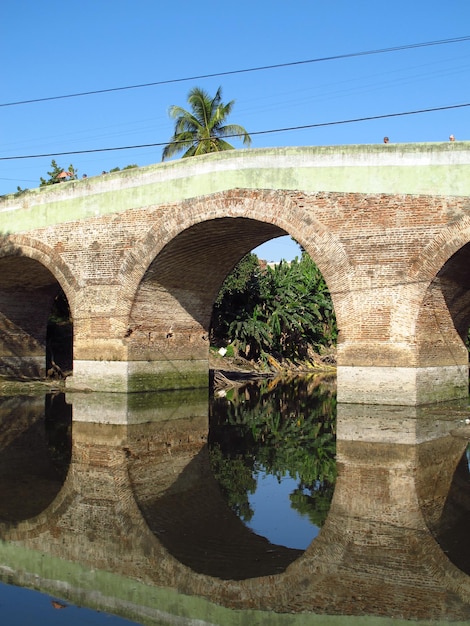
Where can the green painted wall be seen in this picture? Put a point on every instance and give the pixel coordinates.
(425, 168)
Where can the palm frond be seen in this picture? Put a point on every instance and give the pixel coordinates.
(200, 130)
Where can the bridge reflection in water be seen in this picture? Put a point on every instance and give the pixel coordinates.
(137, 525)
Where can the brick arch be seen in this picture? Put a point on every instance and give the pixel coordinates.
(439, 250)
(262, 215)
(438, 291)
(22, 245)
(29, 282)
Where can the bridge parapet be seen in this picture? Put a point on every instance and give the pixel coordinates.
(420, 168)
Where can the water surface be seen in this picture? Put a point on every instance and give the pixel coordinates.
(266, 501)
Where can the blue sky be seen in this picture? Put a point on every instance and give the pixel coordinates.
(56, 48)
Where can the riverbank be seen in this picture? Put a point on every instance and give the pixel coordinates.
(227, 371)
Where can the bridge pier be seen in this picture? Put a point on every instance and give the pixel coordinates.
(138, 376)
(402, 340)
(409, 386)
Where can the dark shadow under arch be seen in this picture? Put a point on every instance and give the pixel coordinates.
(172, 308)
(35, 451)
(28, 290)
(444, 316)
(194, 523)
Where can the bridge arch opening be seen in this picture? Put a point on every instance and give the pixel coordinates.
(32, 307)
(171, 313)
(169, 324)
(443, 320)
(170, 317)
(453, 280)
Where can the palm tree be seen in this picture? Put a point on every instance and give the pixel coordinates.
(202, 129)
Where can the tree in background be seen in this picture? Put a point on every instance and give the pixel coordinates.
(282, 311)
(58, 173)
(238, 297)
(202, 129)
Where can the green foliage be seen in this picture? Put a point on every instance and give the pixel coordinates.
(72, 174)
(235, 477)
(238, 283)
(60, 313)
(55, 172)
(202, 129)
(237, 301)
(279, 310)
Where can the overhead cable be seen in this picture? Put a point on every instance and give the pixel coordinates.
(258, 132)
(336, 57)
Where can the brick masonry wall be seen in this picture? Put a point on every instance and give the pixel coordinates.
(141, 283)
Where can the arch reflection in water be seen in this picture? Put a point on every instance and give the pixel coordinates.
(376, 554)
(396, 466)
(35, 451)
(451, 527)
(182, 502)
(272, 450)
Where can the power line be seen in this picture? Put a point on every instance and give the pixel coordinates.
(337, 57)
(258, 132)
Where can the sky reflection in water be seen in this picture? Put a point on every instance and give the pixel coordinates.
(22, 607)
(274, 518)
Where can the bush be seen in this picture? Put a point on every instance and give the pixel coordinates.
(282, 310)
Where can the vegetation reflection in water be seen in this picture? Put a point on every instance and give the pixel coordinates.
(272, 448)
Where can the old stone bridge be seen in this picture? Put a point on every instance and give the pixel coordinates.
(141, 254)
